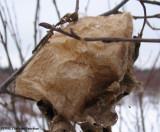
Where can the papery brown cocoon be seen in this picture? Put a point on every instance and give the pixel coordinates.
(70, 74)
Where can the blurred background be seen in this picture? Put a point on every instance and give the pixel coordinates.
(20, 33)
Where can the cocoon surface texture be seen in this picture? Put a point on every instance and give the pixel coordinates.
(82, 79)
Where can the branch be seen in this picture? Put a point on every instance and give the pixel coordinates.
(103, 39)
(35, 22)
(145, 14)
(86, 8)
(152, 26)
(13, 33)
(55, 4)
(115, 9)
(4, 85)
(151, 2)
(77, 6)
(5, 42)
(142, 17)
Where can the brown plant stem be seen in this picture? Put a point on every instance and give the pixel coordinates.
(77, 6)
(55, 4)
(152, 26)
(115, 9)
(144, 23)
(151, 16)
(103, 39)
(152, 2)
(141, 111)
(36, 21)
(13, 34)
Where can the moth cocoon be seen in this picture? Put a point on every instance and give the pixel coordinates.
(70, 74)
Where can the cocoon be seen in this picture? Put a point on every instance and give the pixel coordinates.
(82, 80)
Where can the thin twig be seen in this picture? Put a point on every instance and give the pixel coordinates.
(142, 17)
(151, 2)
(36, 21)
(19, 96)
(13, 33)
(4, 85)
(58, 14)
(144, 23)
(152, 26)
(3, 105)
(7, 53)
(5, 42)
(86, 8)
(77, 6)
(149, 78)
(103, 39)
(115, 9)
(140, 97)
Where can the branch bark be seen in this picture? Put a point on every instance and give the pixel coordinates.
(115, 9)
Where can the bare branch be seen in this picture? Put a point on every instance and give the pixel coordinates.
(77, 6)
(19, 96)
(103, 39)
(152, 26)
(151, 2)
(55, 4)
(142, 17)
(86, 8)
(145, 14)
(36, 21)
(4, 85)
(5, 42)
(13, 33)
(115, 9)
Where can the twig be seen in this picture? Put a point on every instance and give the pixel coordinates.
(55, 4)
(77, 6)
(10, 110)
(142, 17)
(13, 33)
(4, 85)
(151, 2)
(86, 8)
(152, 26)
(36, 21)
(19, 96)
(149, 78)
(140, 97)
(103, 39)
(115, 9)
(5, 42)
(145, 14)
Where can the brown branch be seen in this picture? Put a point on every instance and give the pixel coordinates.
(151, 2)
(144, 23)
(55, 4)
(86, 8)
(5, 42)
(77, 6)
(13, 33)
(142, 17)
(115, 9)
(19, 96)
(36, 21)
(3, 105)
(152, 26)
(4, 85)
(149, 78)
(103, 39)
